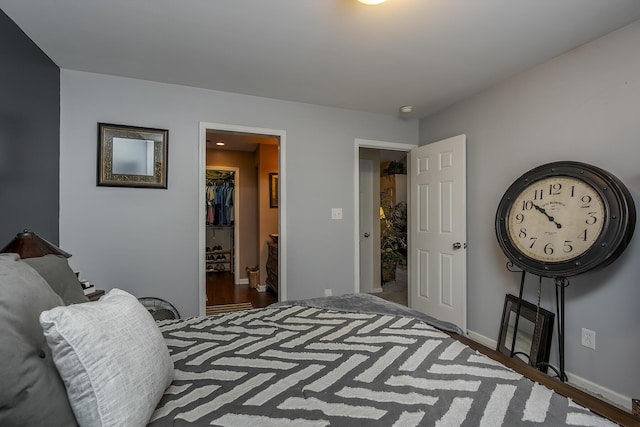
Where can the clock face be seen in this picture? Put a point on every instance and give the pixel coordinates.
(556, 219)
(565, 218)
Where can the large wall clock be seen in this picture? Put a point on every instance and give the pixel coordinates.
(565, 218)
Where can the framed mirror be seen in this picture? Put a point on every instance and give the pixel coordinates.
(130, 156)
(533, 338)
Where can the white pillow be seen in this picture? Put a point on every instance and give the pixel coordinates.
(112, 358)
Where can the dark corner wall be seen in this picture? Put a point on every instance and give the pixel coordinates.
(29, 136)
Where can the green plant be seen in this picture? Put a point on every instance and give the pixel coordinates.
(395, 168)
(393, 237)
(391, 257)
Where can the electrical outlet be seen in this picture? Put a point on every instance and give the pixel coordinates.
(588, 338)
(336, 213)
(328, 292)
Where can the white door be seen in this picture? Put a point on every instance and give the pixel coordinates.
(366, 226)
(437, 230)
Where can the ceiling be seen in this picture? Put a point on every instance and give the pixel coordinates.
(425, 53)
(235, 141)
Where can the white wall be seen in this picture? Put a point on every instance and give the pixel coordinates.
(580, 106)
(146, 240)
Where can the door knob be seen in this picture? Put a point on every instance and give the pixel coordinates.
(457, 245)
(366, 234)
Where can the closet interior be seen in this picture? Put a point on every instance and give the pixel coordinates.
(219, 220)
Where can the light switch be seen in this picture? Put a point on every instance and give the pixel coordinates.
(336, 213)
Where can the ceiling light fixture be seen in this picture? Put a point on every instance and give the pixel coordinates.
(406, 109)
(371, 2)
(220, 143)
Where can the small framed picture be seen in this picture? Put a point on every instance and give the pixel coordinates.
(130, 156)
(273, 190)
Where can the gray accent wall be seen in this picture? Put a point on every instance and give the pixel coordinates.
(145, 241)
(29, 136)
(583, 106)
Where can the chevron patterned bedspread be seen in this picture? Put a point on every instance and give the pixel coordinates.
(305, 366)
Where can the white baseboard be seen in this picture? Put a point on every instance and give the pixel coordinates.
(243, 282)
(576, 381)
(486, 341)
(376, 290)
(603, 393)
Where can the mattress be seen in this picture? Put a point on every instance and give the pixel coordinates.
(354, 361)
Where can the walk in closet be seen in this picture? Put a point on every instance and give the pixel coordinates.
(219, 220)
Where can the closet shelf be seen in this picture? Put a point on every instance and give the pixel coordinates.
(212, 269)
(219, 265)
(219, 260)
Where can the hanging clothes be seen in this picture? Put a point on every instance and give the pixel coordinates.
(219, 201)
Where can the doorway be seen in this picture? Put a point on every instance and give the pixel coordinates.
(367, 248)
(437, 226)
(239, 217)
(383, 223)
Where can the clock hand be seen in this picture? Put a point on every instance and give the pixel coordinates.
(549, 217)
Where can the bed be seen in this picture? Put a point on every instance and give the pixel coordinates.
(336, 361)
(351, 360)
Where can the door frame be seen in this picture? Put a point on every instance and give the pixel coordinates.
(367, 143)
(369, 243)
(282, 204)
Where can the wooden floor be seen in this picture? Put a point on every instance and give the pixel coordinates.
(222, 290)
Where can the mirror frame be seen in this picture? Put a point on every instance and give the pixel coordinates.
(105, 174)
(540, 346)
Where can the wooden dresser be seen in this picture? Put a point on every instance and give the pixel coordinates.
(272, 267)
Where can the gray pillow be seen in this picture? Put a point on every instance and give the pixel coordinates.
(32, 392)
(55, 270)
(112, 358)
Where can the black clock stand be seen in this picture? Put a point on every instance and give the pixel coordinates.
(561, 283)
